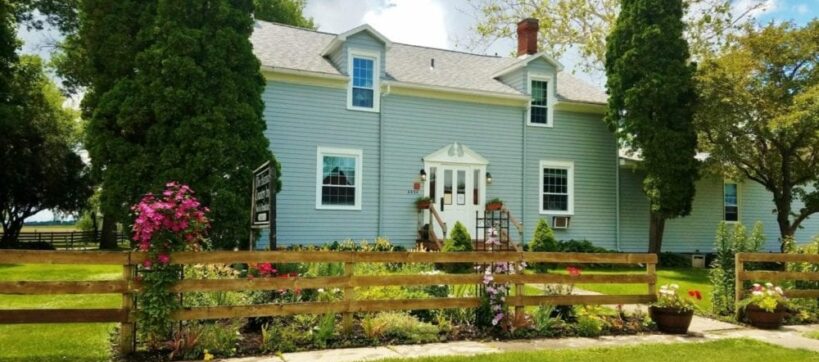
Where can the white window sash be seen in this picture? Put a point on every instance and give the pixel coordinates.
(569, 167)
(376, 58)
(321, 152)
(550, 100)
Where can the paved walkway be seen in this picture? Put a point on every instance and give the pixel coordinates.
(701, 330)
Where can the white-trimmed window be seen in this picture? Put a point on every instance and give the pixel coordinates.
(338, 178)
(730, 201)
(541, 110)
(556, 188)
(363, 90)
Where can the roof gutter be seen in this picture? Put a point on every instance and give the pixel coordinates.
(471, 92)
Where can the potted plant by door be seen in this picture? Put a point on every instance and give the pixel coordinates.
(494, 205)
(766, 306)
(672, 313)
(422, 203)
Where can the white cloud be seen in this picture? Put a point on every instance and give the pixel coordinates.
(419, 22)
(802, 9)
(742, 6)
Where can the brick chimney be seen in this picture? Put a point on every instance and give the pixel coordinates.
(527, 36)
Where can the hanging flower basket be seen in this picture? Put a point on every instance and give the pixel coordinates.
(422, 203)
(764, 319)
(671, 320)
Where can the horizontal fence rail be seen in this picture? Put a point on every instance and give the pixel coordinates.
(775, 276)
(348, 283)
(66, 239)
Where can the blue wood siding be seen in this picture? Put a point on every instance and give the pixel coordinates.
(299, 119)
(697, 230)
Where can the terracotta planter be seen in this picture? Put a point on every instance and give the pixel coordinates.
(494, 206)
(763, 319)
(671, 320)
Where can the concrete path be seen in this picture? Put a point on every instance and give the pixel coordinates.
(701, 330)
(710, 330)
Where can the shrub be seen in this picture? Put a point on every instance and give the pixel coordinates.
(323, 332)
(289, 335)
(404, 327)
(722, 274)
(674, 260)
(459, 240)
(589, 321)
(542, 240)
(580, 246)
(221, 338)
(808, 307)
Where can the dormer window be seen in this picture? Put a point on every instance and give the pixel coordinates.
(363, 92)
(540, 105)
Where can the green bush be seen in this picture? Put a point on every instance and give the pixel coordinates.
(674, 260)
(542, 240)
(722, 274)
(808, 308)
(221, 338)
(459, 240)
(580, 246)
(288, 335)
(403, 327)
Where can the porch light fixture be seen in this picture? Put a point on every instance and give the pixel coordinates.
(488, 178)
(423, 174)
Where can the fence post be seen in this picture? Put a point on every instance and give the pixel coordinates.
(349, 296)
(739, 287)
(127, 329)
(651, 269)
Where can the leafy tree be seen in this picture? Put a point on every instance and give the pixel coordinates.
(283, 11)
(651, 101)
(583, 25)
(38, 165)
(759, 117)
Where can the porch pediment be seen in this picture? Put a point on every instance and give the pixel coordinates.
(456, 153)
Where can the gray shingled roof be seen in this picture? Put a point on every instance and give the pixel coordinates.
(281, 46)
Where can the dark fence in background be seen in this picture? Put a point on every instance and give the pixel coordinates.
(69, 239)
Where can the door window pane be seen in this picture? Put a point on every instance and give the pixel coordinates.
(461, 187)
(433, 174)
(448, 187)
(475, 187)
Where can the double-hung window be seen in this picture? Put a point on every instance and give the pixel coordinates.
(556, 188)
(338, 179)
(540, 105)
(730, 195)
(363, 92)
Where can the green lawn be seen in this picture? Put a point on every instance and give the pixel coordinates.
(48, 228)
(57, 342)
(812, 334)
(725, 350)
(686, 278)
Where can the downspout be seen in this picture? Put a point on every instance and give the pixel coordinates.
(617, 198)
(523, 178)
(381, 162)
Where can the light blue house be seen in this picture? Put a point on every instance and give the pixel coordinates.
(363, 126)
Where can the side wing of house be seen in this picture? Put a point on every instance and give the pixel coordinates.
(716, 200)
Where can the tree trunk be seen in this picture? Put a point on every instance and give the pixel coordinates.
(786, 230)
(108, 239)
(11, 232)
(655, 233)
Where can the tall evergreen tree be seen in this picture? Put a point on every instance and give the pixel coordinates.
(651, 104)
(193, 113)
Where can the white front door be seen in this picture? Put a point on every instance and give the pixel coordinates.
(457, 192)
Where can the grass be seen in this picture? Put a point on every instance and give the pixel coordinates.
(49, 228)
(57, 342)
(812, 334)
(724, 350)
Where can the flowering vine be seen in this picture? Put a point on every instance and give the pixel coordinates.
(173, 221)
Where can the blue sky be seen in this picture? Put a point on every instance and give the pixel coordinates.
(435, 23)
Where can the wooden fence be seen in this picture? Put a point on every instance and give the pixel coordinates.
(775, 276)
(67, 239)
(348, 282)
